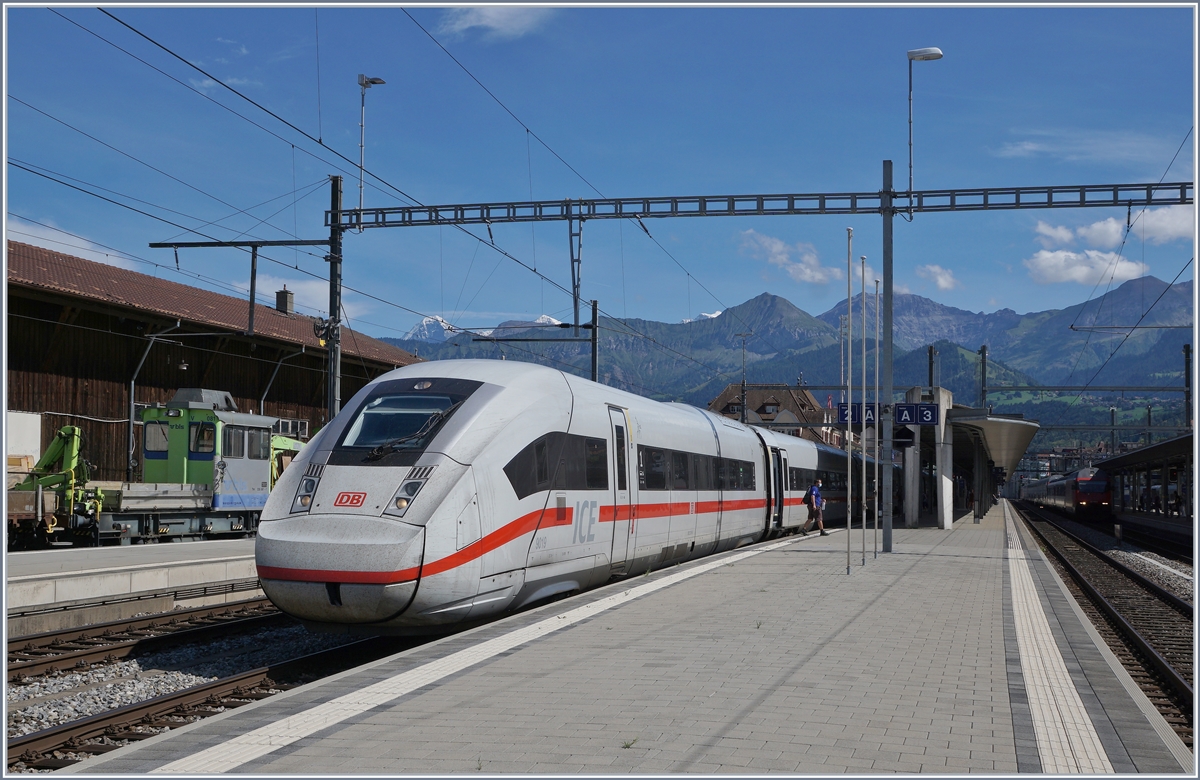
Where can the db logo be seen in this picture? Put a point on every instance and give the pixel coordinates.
(350, 499)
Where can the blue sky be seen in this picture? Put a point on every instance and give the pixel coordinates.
(639, 102)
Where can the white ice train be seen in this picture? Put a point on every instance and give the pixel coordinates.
(455, 490)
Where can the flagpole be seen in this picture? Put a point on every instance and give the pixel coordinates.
(849, 386)
(875, 540)
(863, 438)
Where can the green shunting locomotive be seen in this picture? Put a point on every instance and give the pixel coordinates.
(207, 470)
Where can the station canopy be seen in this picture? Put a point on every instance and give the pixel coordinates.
(1172, 452)
(1004, 436)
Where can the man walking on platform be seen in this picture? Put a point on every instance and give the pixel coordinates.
(816, 509)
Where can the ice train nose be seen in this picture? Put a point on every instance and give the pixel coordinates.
(338, 569)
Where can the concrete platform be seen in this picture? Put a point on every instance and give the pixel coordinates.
(64, 588)
(958, 652)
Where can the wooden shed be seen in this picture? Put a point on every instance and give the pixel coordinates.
(78, 330)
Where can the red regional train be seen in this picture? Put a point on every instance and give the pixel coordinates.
(1082, 493)
(456, 490)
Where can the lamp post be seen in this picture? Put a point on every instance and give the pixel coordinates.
(922, 55)
(366, 83)
(743, 337)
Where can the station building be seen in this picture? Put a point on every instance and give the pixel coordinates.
(779, 407)
(81, 334)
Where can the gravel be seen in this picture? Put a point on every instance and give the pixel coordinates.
(1176, 577)
(155, 674)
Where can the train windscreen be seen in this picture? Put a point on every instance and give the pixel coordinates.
(1092, 486)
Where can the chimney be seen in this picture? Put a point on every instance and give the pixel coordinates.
(285, 301)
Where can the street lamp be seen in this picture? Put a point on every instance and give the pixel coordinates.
(366, 83)
(931, 53)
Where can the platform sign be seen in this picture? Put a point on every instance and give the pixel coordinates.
(927, 414)
(906, 414)
(857, 414)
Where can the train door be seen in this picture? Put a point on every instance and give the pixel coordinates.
(623, 525)
(782, 479)
(776, 488)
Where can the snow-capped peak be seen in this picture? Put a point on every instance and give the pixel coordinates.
(703, 316)
(433, 329)
(546, 319)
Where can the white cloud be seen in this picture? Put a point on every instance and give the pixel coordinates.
(1050, 235)
(943, 277)
(871, 275)
(901, 289)
(496, 21)
(57, 241)
(1083, 145)
(203, 83)
(1105, 234)
(1087, 267)
(805, 268)
(243, 82)
(1169, 224)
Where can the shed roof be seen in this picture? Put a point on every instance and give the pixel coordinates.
(38, 268)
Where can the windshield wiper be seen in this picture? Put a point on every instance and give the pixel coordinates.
(433, 420)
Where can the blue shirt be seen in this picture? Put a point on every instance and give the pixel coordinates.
(815, 490)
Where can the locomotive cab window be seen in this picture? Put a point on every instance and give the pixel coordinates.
(202, 437)
(395, 417)
(394, 423)
(258, 443)
(233, 444)
(155, 437)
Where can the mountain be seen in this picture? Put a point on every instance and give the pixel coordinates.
(1044, 344)
(430, 329)
(919, 321)
(693, 361)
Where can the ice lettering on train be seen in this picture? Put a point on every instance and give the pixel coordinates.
(580, 534)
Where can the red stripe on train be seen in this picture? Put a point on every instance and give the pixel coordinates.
(548, 518)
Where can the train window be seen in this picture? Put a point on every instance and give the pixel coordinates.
(154, 435)
(622, 480)
(652, 468)
(702, 470)
(800, 479)
(202, 437)
(258, 443)
(737, 474)
(580, 464)
(680, 478)
(596, 464)
(392, 418)
(1092, 486)
(543, 465)
(233, 442)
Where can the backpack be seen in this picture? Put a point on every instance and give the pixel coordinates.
(808, 498)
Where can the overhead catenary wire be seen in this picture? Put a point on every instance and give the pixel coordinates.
(530, 132)
(490, 243)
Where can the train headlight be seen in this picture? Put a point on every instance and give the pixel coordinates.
(404, 497)
(304, 494)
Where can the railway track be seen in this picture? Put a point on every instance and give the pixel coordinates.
(1149, 629)
(70, 743)
(77, 648)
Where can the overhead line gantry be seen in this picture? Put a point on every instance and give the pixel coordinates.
(886, 202)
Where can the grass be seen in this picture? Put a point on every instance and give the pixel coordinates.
(629, 743)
